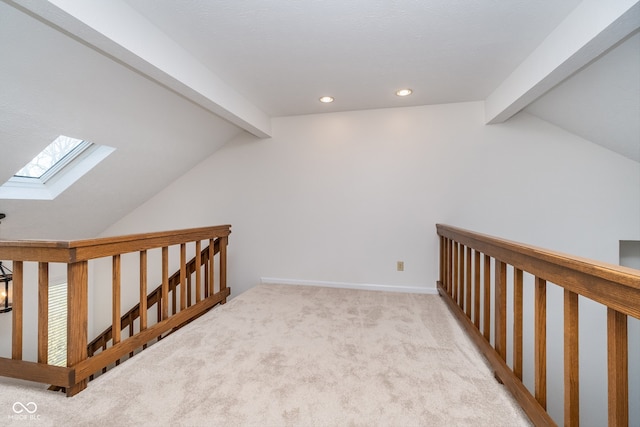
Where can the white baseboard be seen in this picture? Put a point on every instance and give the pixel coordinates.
(344, 285)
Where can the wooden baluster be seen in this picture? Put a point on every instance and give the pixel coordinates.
(143, 290)
(476, 289)
(198, 271)
(445, 264)
(486, 322)
(468, 284)
(212, 255)
(461, 281)
(501, 309)
(130, 331)
(77, 317)
(455, 272)
(104, 347)
(571, 352)
(183, 276)
(206, 277)
(449, 267)
(165, 282)
(223, 265)
(116, 326)
(174, 296)
(43, 312)
(517, 323)
(540, 341)
(17, 310)
(159, 310)
(441, 260)
(461, 277)
(618, 369)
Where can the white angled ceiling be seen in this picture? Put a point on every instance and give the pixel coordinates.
(601, 102)
(50, 85)
(167, 82)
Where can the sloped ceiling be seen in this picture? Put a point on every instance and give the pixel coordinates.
(168, 82)
(52, 85)
(601, 103)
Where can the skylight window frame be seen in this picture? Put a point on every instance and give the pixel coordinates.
(67, 171)
(57, 167)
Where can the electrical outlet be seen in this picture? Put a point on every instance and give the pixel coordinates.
(400, 266)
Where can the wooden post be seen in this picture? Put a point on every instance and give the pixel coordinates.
(183, 276)
(165, 282)
(454, 272)
(143, 290)
(77, 317)
(571, 371)
(540, 341)
(212, 254)
(17, 309)
(468, 284)
(115, 300)
(618, 369)
(501, 309)
(43, 312)
(441, 260)
(486, 321)
(476, 289)
(198, 271)
(517, 323)
(449, 267)
(460, 274)
(463, 284)
(223, 265)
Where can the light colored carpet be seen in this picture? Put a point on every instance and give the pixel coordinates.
(281, 355)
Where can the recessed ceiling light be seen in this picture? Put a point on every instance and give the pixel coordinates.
(404, 92)
(326, 99)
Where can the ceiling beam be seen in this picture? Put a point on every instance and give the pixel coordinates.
(591, 29)
(117, 30)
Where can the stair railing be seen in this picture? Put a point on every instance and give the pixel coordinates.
(466, 284)
(77, 256)
(154, 298)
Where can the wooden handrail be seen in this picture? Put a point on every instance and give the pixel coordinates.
(84, 250)
(616, 287)
(81, 358)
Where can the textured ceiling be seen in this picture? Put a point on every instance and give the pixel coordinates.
(283, 55)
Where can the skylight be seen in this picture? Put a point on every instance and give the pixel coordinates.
(55, 169)
(57, 154)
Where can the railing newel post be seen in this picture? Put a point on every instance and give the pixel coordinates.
(77, 318)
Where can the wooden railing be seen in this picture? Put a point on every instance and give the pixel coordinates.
(76, 255)
(154, 298)
(465, 282)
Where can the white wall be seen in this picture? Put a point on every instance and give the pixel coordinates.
(341, 197)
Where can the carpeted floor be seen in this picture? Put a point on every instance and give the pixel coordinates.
(281, 355)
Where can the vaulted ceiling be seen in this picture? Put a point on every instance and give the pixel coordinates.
(168, 82)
